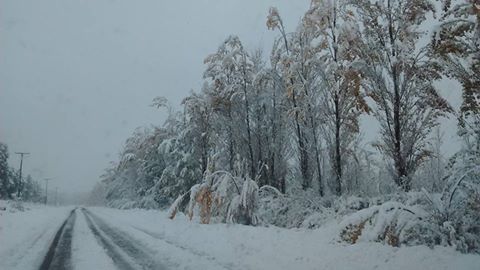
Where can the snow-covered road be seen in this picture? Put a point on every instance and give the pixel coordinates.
(102, 238)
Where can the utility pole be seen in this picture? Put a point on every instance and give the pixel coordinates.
(56, 196)
(46, 189)
(20, 176)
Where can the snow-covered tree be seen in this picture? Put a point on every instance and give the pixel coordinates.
(229, 75)
(289, 74)
(32, 190)
(457, 46)
(334, 29)
(198, 115)
(431, 175)
(97, 195)
(399, 75)
(4, 172)
(270, 120)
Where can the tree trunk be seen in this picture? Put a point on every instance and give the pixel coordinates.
(249, 133)
(230, 134)
(273, 147)
(301, 145)
(315, 142)
(338, 154)
(401, 177)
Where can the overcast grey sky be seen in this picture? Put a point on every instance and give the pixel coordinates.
(77, 77)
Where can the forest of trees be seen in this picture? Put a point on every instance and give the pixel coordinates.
(12, 187)
(286, 125)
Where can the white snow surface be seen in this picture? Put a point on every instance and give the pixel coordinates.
(184, 244)
(247, 247)
(26, 235)
(86, 253)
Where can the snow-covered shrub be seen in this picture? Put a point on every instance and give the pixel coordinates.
(201, 195)
(316, 220)
(226, 187)
(459, 211)
(386, 223)
(221, 197)
(243, 207)
(453, 217)
(419, 218)
(16, 205)
(348, 205)
(293, 210)
(172, 211)
(148, 202)
(426, 232)
(122, 204)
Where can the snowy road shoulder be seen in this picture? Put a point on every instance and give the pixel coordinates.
(152, 247)
(246, 247)
(25, 236)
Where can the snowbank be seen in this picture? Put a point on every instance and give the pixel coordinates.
(247, 247)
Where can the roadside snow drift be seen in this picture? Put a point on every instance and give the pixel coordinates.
(247, 247)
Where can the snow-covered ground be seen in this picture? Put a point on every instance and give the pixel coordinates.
(87, 254)
(246, 247)
(26, 235)
(181, 244)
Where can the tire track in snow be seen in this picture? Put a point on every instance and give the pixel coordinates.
(59, 254)
(126, 253)
(175, 245)
(183, 247)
